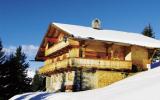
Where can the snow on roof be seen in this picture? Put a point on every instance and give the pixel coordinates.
(142, 86)
(109, 35)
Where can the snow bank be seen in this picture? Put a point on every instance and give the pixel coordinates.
(143, 86)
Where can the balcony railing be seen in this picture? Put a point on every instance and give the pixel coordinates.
(87, 63)
(101, 63)
(51, 67)
(56, 47)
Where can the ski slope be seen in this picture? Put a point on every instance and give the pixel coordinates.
(142, 86)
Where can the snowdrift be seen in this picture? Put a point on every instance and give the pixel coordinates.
(142, 86)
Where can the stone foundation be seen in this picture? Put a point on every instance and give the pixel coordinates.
(80, 80)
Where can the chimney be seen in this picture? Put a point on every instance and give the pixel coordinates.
(96, 24)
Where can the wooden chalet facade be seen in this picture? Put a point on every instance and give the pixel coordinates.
(79, 58)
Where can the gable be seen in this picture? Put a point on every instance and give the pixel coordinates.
(52, 36)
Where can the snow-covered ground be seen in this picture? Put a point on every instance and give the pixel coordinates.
(143, 86)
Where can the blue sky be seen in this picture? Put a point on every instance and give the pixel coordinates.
(24, 22)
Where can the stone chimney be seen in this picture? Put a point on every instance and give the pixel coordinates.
(96, 23)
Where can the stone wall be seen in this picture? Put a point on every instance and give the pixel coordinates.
(48, 83)
(104, 78)
(88, 80)
(69, 81)
(98, 79)
(84, 80)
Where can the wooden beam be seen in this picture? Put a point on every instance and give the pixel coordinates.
(42, 49)
(56, 34)
(52, 40)
(59, 52)
(108, 45)
(41, 58)
(82, 42)
(51, 31)
(155, 50)
(75, 46)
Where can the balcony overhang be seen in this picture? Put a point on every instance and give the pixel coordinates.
(86, 63)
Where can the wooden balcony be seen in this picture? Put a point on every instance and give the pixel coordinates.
(87, 63)
(61, 45)
(47, 68)
(51, 67)
(101, 63)
(56, 47)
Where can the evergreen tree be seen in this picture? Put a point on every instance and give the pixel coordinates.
(2, 72)
(38, 82)
(148, 31)
(15, 80)
(19, 64)
(2, 56)
(4, 76)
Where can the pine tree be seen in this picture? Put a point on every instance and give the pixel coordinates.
(2, 56)
(15, 80)
(148, 31)
(2, 72)
(38, 82)
(20, 66)
(4, 76)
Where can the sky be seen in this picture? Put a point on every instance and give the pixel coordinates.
(24, 22)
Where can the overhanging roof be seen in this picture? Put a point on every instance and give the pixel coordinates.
(102, 35)
(109, 35)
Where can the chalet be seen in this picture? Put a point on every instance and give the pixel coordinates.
(79, 58)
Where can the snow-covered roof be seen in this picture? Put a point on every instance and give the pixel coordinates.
(142, 86)
(109, 35)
